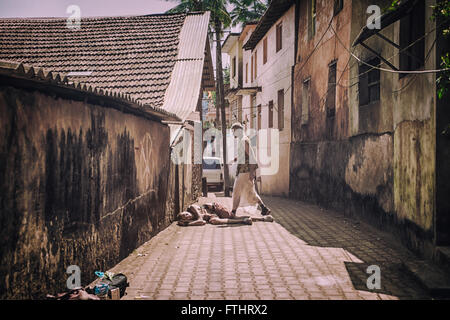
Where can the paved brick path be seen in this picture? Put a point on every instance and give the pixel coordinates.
(307, 253)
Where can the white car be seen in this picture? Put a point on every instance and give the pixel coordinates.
(213, 172)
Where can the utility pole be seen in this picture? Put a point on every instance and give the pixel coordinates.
(220, 102)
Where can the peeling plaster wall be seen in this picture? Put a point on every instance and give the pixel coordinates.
(369, 168)
(414, 173)
(80, 184)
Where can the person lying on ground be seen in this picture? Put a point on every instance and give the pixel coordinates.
(215, 214)
(198, 216)
(224, 213)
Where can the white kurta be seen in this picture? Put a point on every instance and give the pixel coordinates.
(244, 189)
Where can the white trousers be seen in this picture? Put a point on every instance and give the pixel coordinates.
(245, 188)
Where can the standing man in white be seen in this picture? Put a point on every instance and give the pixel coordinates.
(244, 185)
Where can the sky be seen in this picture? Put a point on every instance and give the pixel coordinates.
(89, 8)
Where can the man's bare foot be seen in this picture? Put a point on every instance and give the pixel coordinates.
(233, 214)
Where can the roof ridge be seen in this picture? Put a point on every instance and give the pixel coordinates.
(61, 79)
(100, 17)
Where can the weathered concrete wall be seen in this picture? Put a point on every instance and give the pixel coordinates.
(80, 184)
(378, 161)
(340, 174)
(188, 173)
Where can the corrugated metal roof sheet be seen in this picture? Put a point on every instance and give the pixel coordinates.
(183, 91)
(193, 36)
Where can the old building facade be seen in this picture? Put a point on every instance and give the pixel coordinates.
(263, 55)
(364, 135)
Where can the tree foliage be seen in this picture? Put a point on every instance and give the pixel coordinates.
(441, 14)
(217, 8)
(441, 11)
(247, 10)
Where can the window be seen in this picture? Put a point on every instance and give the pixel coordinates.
(234, 67)
(338, 5)
(240, 109)
(234, 110)
(270, 114)
(306, 100)
(412, 28)
(259, 116)
(251, 70)
(265, 51)
(256, 63)
(312, 18)
(281, 109)
(369, 82)
(331, 92)
(279, 35)
(246, 72)
(252, 111)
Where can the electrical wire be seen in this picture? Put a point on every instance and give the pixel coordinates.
(372, 67)
(384, 69)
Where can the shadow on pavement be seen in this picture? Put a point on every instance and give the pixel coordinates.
(330, 229)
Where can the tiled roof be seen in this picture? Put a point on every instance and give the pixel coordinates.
(133, 55)
(184, 90)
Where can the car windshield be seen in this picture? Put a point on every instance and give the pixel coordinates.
(211, 164)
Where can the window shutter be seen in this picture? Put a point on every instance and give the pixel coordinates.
(281, 109)
(305, 102)
(271, 114)
(259, 117)
(265, 51)
(246, 72)
(279, 37)
(256, 64)
(331, 93)
(251, 70)
(363, 85)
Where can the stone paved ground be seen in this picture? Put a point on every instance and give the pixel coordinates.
(307, 253)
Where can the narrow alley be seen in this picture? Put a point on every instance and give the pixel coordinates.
(307, 253)
(324, 127)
